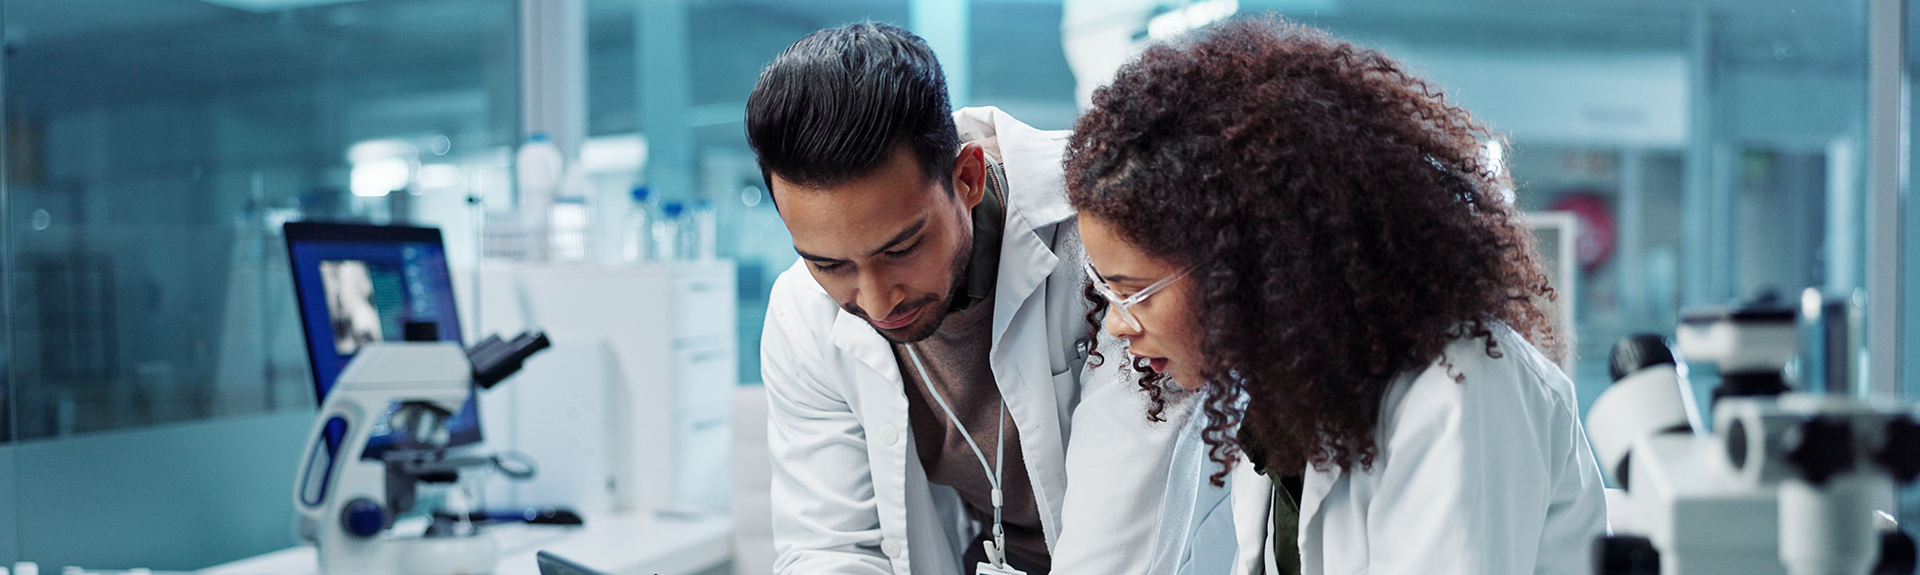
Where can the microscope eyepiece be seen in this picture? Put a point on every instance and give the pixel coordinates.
(1638, 351)
(495, 359)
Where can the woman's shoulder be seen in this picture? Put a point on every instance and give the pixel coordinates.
(1499, 374)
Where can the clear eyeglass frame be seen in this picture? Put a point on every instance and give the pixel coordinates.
(1124, 305)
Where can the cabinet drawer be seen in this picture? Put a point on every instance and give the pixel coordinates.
(703, 448)
(703, 306)
(705, 375)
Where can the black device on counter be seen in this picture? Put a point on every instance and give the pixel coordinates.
(551, 564)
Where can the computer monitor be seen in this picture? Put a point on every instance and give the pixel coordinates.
(360, 284)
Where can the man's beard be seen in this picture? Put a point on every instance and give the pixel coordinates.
(939, 309)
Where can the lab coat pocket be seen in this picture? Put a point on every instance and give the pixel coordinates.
(1073, 366)
(1075, 371)
(1066, 387)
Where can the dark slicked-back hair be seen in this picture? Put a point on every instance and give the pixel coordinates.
(836, 104)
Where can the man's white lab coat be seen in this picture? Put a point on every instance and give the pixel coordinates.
(849, 494)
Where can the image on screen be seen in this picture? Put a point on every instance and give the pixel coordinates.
(351, 304)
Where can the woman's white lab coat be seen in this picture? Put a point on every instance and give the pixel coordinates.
(1488, 476)
(849, 495)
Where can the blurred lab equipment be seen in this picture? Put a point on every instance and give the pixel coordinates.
(397, 392)
(349, 502)
(569, 226)
(360, 284)
(638, 237)
(667, 232)
(1649, 395)
(539, 166)
(539, 174)
(1788, 483)
(630, 419)
(631, 412)
(705, 228)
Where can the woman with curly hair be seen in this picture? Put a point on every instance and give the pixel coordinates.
(1310, 236)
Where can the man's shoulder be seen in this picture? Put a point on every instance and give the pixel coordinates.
(983, 122)
(1032, 159)
(797, 305)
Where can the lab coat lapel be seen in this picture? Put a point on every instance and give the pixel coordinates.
(1020, 367)
(1034, 159)
(856, 337)
(1019, 355)
(1314, 487)
(1025, 263)
(1037, 200)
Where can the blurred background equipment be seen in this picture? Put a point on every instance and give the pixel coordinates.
(1649, 396)
(1788, 482)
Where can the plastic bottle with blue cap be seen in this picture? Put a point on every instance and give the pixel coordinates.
(639, 231)
(705, 231)
(666, 232)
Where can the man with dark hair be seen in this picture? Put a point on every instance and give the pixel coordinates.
(925, 359)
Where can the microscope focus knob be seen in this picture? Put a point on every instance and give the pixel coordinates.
(1824, 448)
(363, 518)
(1900, 455)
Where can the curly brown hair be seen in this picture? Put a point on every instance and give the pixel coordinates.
(1338, 215)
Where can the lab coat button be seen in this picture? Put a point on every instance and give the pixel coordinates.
(891, 548)
(889, 434)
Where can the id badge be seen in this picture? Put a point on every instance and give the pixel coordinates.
(986, 568)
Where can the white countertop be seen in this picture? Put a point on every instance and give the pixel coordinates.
(639, 543)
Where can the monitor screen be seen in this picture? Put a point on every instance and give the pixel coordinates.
(362, 284)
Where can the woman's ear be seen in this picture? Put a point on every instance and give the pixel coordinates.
(970, 174)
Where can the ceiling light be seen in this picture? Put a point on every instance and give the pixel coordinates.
(274, 5)
(1190, 17)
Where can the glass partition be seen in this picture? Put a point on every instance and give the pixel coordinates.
(159, 391)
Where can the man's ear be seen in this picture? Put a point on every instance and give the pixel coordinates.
(970, 174)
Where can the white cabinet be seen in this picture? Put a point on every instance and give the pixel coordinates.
(666, 336)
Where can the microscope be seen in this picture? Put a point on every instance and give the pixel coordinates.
(1787, 482)
(349, 499)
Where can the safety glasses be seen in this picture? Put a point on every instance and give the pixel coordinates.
(1124, 305)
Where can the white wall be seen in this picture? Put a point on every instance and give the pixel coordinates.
(1635, 100)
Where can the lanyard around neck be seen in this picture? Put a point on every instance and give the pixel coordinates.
(997, 549)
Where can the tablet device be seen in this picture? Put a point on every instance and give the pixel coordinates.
(551, 564)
